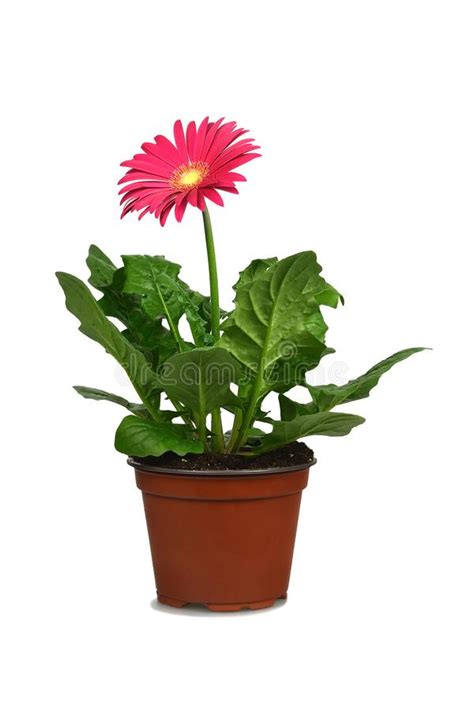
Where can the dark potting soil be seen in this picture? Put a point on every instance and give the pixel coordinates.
(287, 456)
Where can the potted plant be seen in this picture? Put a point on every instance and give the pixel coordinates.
(221, 506)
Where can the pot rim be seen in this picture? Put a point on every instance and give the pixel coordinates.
(153, 469)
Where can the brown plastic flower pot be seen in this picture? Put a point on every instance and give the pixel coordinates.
(221, 539)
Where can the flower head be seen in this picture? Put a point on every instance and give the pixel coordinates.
(193, 168)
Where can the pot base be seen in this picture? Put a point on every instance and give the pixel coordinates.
(223, 607)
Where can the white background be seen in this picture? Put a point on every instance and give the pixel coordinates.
(364, 111)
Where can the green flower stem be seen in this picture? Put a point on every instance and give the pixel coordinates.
(211, 259)
(219, 444)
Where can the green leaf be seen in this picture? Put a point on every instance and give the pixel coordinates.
(331, 424)
(154, 278)
(276, 329)
(102, 269)
(254, 438)
(95, 325)
(164, 295)
(136, 408)
(141, 438)
(94, 394)
(200, 379)
(256, 268)
(259, 415)
(147, 334)
(125, 307)
(289, 409)
(325, 397)
(198, 314)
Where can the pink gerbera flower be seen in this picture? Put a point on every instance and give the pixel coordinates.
(200, 164)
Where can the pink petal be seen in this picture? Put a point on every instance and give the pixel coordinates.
(223, 139)
(212, 182)
(150, 199)
(158, 202)
(241, 160)
(191, 139)
(144, 184)
(211, 134)
(201, 203)
(155, 162)
(234, 177)
(137, 194)
(151, 196)
(180, 206)
(238, 148)
(164, 214)
(126, 210)
(212, 195)
(143, 204)
(144, 212)
(146, 167)
(167, 151)
(228, 189)
(180, 142)
(193, 197)
(154, 152)
(133, 174)
(200, 138)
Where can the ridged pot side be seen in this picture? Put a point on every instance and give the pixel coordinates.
(225, 541)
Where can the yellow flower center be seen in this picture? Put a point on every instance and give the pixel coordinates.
(189, 175)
